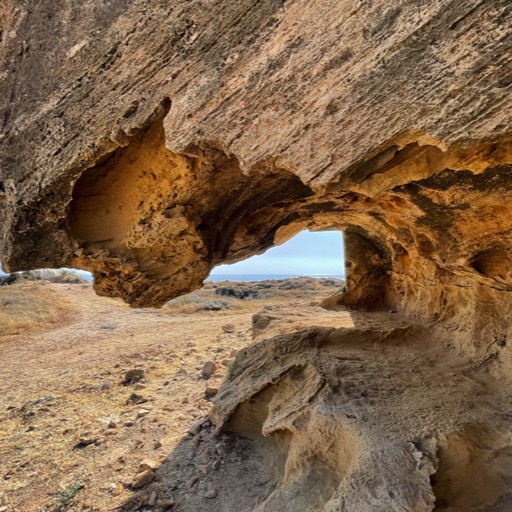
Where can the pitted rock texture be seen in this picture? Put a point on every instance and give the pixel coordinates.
(364, 412)
(149, 141)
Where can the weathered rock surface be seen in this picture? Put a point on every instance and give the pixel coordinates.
(366, 412)
(160, 139)
(149, 141)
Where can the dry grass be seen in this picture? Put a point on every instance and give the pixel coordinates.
(63, 376)
(259, 293)
(32, 306)
(59, 383)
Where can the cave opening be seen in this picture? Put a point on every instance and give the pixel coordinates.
(307, 253)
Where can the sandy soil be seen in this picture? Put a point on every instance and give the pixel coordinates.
(72, 434)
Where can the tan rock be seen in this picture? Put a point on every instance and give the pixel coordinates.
(147, 464)
(143, 478)
(197, 426)
(167, 503)
(86, 439)
(378, 142)
(152, 499)
(115, 489)
(211, 391)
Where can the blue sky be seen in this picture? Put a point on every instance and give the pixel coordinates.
(319, 252)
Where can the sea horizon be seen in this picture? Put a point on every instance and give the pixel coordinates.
(266, 277)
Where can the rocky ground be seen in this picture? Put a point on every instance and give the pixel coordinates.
(268, 402)
(92, 402)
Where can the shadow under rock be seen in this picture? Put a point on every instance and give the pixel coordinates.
(207, 471)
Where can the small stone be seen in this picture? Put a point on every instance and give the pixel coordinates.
(216, 464)
(115, 489)
(3, 509)
(417, 455)
(222, 449)
(142, 412)
(147, 464)
(167, 503)
(139, 386)
(157, 444)
(212, 493)
(203, 468)
(142, 479)
(134, 398)
(208, 370)
(205, 456)
(112, 424)
(152, 499)
(229, 328)
(128, 423)
(196, 427)
(86, 438)
(210, 392)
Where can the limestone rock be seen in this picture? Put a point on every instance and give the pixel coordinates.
(86, 439)
(377, 412)
(147, 464)
(160, 139)
(143, 478)
(196, 427)
(156, 143)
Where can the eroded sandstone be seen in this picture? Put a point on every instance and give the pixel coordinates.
(350, 411)
(150, 141)
(157, 141)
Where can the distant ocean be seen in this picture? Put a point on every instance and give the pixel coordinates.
(264, 277)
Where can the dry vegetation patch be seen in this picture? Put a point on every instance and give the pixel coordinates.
(33, 305)
(243, 296)
(92, 388)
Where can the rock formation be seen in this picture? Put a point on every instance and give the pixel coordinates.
(148, 141)
(374, 414)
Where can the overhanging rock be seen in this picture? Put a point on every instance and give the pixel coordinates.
(150, 141)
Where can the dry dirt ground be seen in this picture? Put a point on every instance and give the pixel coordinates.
(73, 434)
